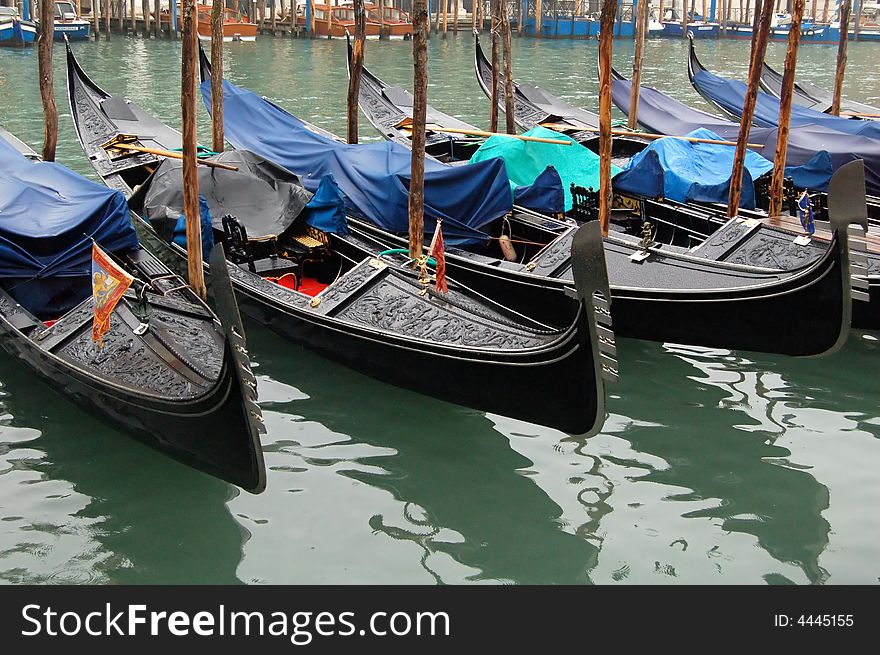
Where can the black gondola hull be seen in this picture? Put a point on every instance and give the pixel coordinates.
(204, 433)
(493, 381)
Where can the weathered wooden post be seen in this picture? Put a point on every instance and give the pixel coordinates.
(759, 48)
(189, 51)
(145, 10)
(96, 20)
(496, 68)
(420, 108)
(157, 22)
(825, 12)
(132, 17)
(272, 18)
(606, 37)
(357, 66)
(857, 26)
(47, 88)
(845, 11)
(785, 97)
(329, 19)
(509, 113)
(120, 24)
(684, 18)
(539, 18)
(455, 16)
(445, 4)
(106, 12)
(217, 140)
(641, 30)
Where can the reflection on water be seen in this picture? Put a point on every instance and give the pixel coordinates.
(713, 467)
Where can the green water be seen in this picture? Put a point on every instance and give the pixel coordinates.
(713, 467)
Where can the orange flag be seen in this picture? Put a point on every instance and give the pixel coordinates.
(109, 282)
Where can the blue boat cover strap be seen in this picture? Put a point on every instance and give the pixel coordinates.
(48, 218)
(374, 178)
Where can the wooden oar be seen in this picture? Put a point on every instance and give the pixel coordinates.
(860, 115)
(122, 145)
(644, 135)
(521, 137)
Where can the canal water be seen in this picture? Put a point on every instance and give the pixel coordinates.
(714, 467)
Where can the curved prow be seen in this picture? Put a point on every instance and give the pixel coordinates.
(848, 213)
(694, 65)
(482, 67)
(770, 81)
(591, 281)
(252, 477)
(204, 64)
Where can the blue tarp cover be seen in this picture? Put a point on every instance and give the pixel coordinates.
(373, 177)
(46, 213)
(664, 115)
(731, 95)
(545, 192)
(685, 171)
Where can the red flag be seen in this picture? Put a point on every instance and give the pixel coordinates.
(440, 258)
(109, 282)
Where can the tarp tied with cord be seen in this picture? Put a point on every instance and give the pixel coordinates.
(527, 160)
(374, 178)
(809, 146)
(686, 171)
(48, 218)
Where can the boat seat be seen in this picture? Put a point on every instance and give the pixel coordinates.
(117, 109)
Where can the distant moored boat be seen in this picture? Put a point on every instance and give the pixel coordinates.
(14, 31)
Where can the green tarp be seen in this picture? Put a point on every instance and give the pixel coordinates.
(526, 160)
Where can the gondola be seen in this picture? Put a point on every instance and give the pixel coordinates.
(369, 309)
(168, 371)
(534, 106)
(814, 97)
(389, 110)
(645, 304)
(729, 97)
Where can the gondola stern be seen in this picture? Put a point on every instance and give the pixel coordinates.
(593, 292)
(226, 307)
(848, 213)
(204, 64)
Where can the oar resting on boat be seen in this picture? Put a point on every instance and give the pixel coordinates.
(671, 286)
(299, 268)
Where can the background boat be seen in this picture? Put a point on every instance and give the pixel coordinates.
(14, 30)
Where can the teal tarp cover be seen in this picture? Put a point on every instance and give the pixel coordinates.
(526, 160)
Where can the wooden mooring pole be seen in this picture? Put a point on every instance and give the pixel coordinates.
(606, 38)
(189, 52)
(96, 19)
(759, 48)
(496, 67)
(509, 113)
(357, 66)
(785, 97)
(845, 11)
(47, 88)
(217, 76)
(641, 31)
(420, 110)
